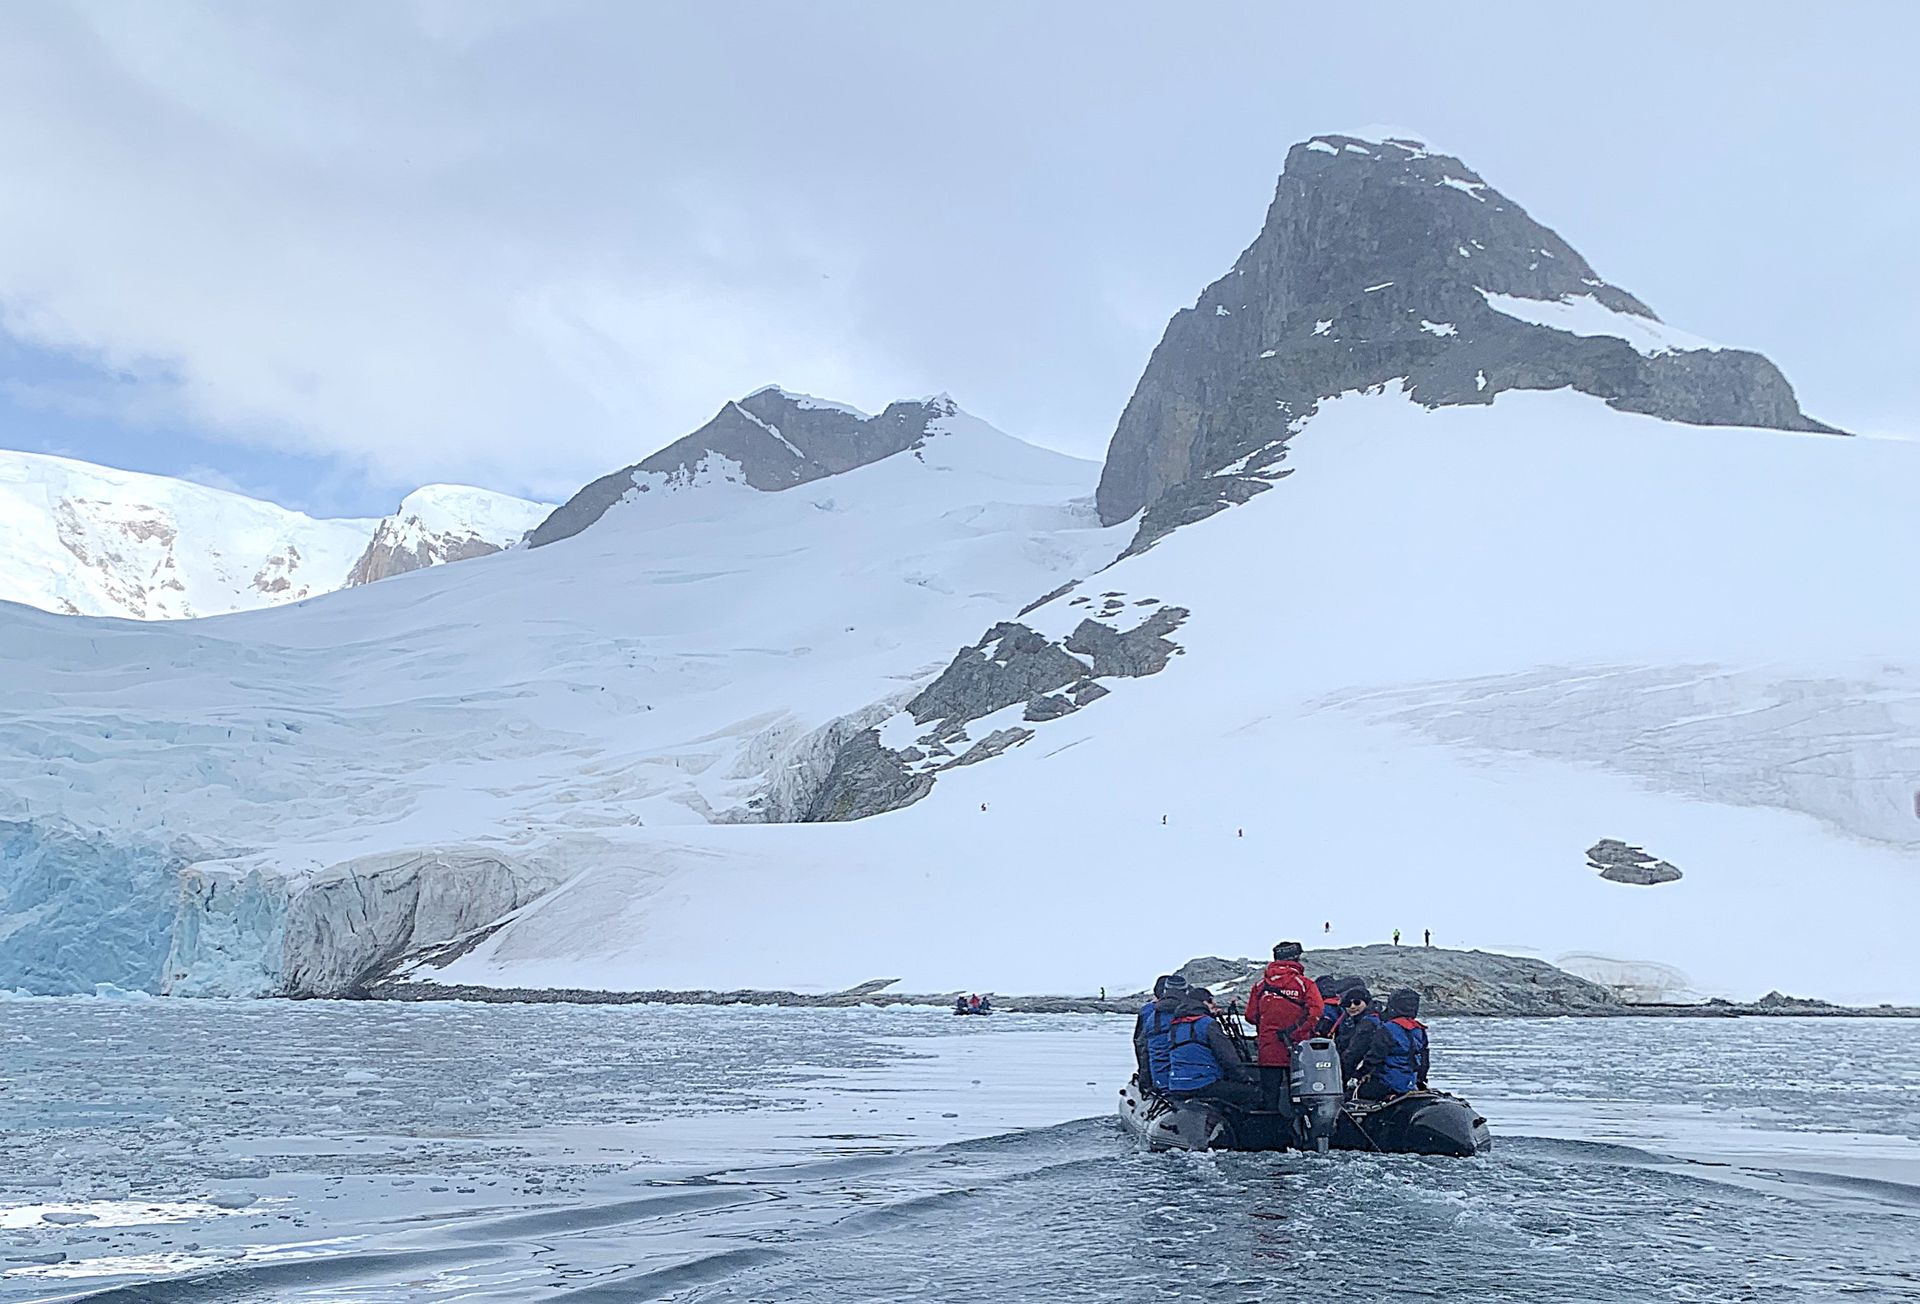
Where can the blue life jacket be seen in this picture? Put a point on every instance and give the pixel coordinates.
(1406, 1054)
(1159, 1021)
(1329, 1019)
(1190, 1062)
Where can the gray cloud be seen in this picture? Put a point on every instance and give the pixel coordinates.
(518, 244)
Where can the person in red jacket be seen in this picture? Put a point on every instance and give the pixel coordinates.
(1283, 1007)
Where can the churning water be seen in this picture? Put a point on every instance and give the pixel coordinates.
(181, 1151)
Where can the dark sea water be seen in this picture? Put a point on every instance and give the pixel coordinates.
(179, 1151)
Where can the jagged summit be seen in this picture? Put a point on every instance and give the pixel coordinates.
(772, 439)
(1383, 260)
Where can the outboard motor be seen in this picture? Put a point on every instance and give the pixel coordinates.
(1319, 1092)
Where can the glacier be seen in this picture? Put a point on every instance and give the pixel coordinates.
(79, 910)
(390, 766)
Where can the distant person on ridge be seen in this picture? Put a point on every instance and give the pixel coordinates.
(1405, 1056)
(1153, 1028)
(1427, 936)
(1202, 1061)
(1283, 1007)
(1396, 937)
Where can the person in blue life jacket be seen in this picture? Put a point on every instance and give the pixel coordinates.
(1359, 1036)
(1405, 1055)
(1202, 1060)
(1153, 1029)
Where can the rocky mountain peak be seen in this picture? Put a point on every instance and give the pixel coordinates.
(772, 439)
(443, 523)
(1385, 260)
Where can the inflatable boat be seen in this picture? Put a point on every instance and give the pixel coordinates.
(1417, 1123)
(1313, 1123)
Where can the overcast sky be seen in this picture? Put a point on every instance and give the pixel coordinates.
(327, 252)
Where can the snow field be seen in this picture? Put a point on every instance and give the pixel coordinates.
(1412, 550)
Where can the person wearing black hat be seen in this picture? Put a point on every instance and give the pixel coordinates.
(1405, 1057)
(1283, 1008)
(1331, 990)
(1153, 1031)
(1360, 1037)
(1202, 1059)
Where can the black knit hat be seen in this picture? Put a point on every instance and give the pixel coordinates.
(1403, 1002)
(1287, 950)
(1173, 985)
(1357, 992)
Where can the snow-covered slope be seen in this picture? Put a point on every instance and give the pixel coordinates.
(1417, 681)
(395, 763)
(91, 540)
(86, 540)
(442, 523)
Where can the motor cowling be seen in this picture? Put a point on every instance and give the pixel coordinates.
(1319, 1091)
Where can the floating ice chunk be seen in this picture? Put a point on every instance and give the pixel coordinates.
(1322, 327)
(1441, 328)
(1371, 288)
(1268, 354)
(1219, 310)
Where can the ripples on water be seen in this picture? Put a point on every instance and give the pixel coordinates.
(324, 1152)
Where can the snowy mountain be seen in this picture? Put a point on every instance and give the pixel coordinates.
(1432, 583)
(285, 798)
(443, 523)
(87, 540)
(770, 440)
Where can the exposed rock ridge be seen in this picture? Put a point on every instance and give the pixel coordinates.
(391, 552)
(1375, 265)
(968, 713)
(1449, 982)
(776, 439)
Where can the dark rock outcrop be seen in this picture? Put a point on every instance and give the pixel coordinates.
(1619, 863)
(777, 439)
(865, 779)
(1011, 664)
(1374, 266)
(1449, 982)
(1142, 650)
(1050, 707)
